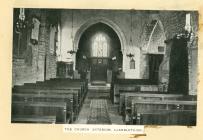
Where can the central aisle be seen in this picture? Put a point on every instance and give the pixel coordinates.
(98, 112)
(97, 93)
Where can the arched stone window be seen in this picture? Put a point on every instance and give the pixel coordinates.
(100, 46)
(132, 64)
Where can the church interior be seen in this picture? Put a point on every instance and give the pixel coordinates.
(102, 66)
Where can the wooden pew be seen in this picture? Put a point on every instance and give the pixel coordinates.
(85, 81)
(58, 86)
(66, 80)
(127, 97)
(165, 117)
(33, 119)
(70, 84)
(55, 89)
(177, 111)
(164, 104)
(131, 85)
(71, 115)
(57, 109)
(57, 92)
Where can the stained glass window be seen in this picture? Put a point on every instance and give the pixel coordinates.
(100, 46)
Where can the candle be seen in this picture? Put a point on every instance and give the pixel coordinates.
(23, 11)
(187, 23)
(187, 19)
(20, 13)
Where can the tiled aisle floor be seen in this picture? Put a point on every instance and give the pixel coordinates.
(85, 111)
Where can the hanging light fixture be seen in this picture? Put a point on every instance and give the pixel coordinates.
(188, 27)
(187, 31)
(131, 41)
(22, 14)
(21, 23)
(72, 51)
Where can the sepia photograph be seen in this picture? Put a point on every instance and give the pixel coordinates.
(104, 66)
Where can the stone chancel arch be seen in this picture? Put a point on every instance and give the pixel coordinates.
(99, 43)
(93, 21)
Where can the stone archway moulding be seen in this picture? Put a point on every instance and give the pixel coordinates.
(106, 21)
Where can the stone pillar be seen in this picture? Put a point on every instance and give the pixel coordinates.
(164, 67)
(41, 48)
(193, 65)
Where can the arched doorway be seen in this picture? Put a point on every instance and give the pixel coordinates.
(154, 49)
(99, 53)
